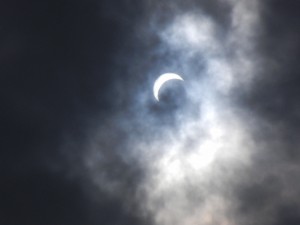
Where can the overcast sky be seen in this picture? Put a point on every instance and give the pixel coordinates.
(84, 141)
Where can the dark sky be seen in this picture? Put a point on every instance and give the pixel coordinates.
(84, 142)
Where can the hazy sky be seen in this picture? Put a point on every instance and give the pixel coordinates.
(84, 142)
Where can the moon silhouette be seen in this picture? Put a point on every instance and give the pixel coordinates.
(163, 79)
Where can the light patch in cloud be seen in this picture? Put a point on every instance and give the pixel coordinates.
(191, 33)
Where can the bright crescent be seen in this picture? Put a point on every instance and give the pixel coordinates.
(161, 80)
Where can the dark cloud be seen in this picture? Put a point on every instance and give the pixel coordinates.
(268, 195)
(35, 197)
(276, 88)
(56, 75)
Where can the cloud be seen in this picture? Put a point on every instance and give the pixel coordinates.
(191, 163)
(221, 164)
(217, 155)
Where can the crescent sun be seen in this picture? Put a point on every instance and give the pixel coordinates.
(161, 80)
